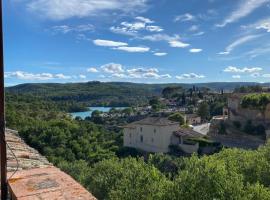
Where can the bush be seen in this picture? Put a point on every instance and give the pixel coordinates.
(177, 117)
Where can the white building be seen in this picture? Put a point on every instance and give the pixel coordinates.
(153, 134)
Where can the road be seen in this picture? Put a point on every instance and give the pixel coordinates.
(202, 129)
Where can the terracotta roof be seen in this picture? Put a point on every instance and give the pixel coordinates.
(157, 121)
(185, 132)
(31, 176)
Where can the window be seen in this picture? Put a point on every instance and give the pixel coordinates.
(141, 129)
(155, 130)
(141, 138)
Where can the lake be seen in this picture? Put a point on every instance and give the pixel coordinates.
(85, 114)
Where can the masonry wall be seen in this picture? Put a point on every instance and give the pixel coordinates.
(149, 138)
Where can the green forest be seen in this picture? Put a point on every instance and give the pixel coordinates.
(94, 156)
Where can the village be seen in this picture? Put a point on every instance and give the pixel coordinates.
(184, 123)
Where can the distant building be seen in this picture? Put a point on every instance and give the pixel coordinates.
(156, 134)
(237, 113)
(193, 119)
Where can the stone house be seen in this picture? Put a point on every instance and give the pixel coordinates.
(155, 134)
(237, 113)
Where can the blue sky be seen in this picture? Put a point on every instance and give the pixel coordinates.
(150, 41)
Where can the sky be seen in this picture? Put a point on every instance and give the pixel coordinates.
(142, 41)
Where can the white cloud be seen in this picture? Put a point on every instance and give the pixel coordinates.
(134, 26)
(237, 43)
(173, 41)
(195, 50)
(108, 43)
(127, 28)
(118, 71)
(35, 77)
(165, 76)
(263, 24)
(61, 76)
(123, 30)
(185, 17)
(119, 76)
(64, 9)
(194, 28)
(160, 54)
(245, 8)
(133, 49)
(146, 73)
(232, 69)
(82, 76)
(154, 28)
(236, 76)
(112, 68)
(199, 33)
(92, 70)
(159, 37)
(178, 44)
(266, 75)
(145, 20)
(189, 76)
(67, 28)
(142, 70)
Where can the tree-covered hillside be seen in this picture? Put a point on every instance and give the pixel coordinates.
(108, 94)
(94, 156)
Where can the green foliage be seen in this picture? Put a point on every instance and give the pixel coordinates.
(256, 101)
(127, 179)
(204, 111)
(177, 117)
(168, 92)
(248, 89)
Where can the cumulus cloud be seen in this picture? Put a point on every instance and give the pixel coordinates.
(108, 43)
(173, 41)
(160, 54)
(112, 68)
(189, 76)
(92, 70)
(132, 28)
(118, 71)
(232, 69)
(35, 77)
(133, 49)
(145, 20)
(178, 44)
(195, 50)
(146, 73)
(64, 9)
(154, 28)
(82, 76)
(245, 8)
(184, 17)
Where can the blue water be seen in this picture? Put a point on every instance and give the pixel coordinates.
(85, 114)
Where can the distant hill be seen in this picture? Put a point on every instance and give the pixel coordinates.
(110, 93)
